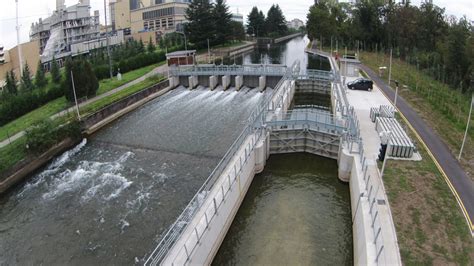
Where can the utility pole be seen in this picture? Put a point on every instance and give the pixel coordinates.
(107, 39)
(75, 97)
(467, 127)
(390, 68)
(208, 52)
(20, 59)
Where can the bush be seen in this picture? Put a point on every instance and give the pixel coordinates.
(131, 63)
(46, 133)
(15, 106)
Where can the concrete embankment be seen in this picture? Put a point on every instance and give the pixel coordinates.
(23, 169)
(90, 125)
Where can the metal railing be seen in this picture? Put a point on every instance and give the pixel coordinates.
(252, 127)
(233, 70)
(309, 118)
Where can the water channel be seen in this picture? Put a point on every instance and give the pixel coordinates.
(110, 199)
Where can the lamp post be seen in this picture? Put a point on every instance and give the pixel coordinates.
(185, 45)
(18, 40)
(390, 68)
(107, 40)
(396, 91)
(75, 96)
(467, 128)
(386, 154)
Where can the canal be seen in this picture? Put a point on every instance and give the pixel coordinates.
(296, 211)
(109, 200)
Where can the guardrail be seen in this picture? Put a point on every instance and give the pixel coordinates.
(253, 126)
(313, 119)
(233, 70)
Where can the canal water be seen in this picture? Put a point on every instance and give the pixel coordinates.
(296, 211)
(109, 200)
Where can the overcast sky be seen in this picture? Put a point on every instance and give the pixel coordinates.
(32, 10)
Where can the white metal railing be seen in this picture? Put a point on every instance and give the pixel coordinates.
(233, 70)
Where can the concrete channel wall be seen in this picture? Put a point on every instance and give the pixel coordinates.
(201, 240)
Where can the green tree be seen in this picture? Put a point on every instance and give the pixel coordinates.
(141, 47)
(201, 26)
(320, 24)
(238, 30)
(40, 78)
(256, 23)
(85, 81)
(275, 23)
(55, 73)
(151, 47)
(26, 83)
(11, 86)
(222, 22)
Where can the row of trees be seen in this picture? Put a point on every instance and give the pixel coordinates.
(273, 25)
(211, 22)
(423, 35)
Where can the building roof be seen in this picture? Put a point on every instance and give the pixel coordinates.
(180, 53)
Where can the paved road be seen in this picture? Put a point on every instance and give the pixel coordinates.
(163, 69)
(462, 184)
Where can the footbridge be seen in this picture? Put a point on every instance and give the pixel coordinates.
(273, 128)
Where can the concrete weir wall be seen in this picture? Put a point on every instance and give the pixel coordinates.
(204, 234)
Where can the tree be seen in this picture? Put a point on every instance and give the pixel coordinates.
(55, 73)
(256, 23)
(222, 22)
(40, 78)
(85, 82)
(141, 47)
(275, 23)
(319, 22)
(151, 47)
(201, 26)
(238, 30)
(11, 86)
(26, 83)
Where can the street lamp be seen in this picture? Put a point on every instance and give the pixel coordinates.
(185, 45)
(396, 91)
(386, 153)
(467, 127)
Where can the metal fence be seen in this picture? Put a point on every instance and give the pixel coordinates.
(233, 70)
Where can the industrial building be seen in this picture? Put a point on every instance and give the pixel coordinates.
(160, 16)
(67, 26)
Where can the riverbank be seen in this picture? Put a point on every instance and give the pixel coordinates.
(27, 165)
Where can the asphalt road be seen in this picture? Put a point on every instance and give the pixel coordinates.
(463, 185)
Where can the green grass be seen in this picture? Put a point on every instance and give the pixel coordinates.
(95, 106)
(110, 84)
(429, 223)
(32, 117)
(12, 154)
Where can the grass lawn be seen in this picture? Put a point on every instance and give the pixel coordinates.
(444, 109)
(110, 84)
(431, 229)
(11, 154)
(30, 118)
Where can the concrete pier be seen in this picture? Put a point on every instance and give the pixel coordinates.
(262, 83)
(212, 82)
(193, 82)
(225, 82)
(239, 82)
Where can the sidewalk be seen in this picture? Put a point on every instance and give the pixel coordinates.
(163, 69)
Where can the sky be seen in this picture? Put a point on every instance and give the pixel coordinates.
(31, 10)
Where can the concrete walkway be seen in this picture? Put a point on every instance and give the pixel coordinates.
(461, 185)
(163, 69)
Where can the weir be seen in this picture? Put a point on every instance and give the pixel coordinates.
(272, 129)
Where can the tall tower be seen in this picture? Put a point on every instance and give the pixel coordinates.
(60, 5)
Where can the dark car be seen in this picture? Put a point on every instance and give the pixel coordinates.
(361, 84)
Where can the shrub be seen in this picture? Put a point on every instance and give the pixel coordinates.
(46, 133)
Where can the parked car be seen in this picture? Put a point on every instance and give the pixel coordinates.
(361, 84)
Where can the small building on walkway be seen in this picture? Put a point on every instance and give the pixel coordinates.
(179, 58)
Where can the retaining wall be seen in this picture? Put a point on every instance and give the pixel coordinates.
(116, 109)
